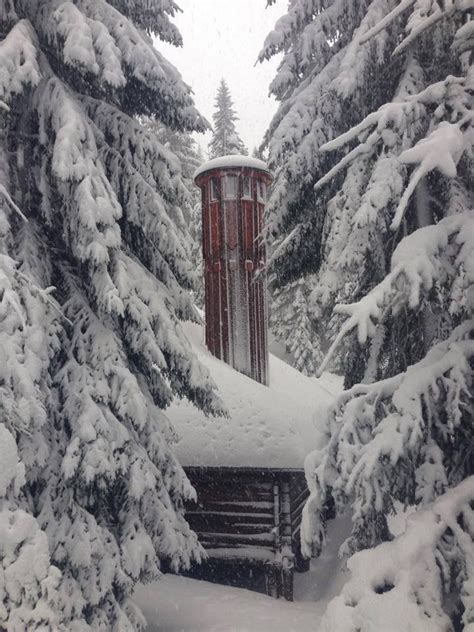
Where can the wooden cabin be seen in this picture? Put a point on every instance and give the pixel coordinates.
(248, 472)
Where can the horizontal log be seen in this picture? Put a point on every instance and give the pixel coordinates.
(220, 526)
(246, 485)
(237, 546)
(243, 507)
(220, 539)
(231, 517)
(236, 492)
(224, 479)
(244, 554)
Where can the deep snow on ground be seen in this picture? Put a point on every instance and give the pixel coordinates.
(180, 604)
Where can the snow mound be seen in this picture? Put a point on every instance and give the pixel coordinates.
(233, 160)
(179, 604)
(402, 585)
(270, 426)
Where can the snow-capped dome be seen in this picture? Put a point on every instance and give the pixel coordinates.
(231, 161)
(272, 426)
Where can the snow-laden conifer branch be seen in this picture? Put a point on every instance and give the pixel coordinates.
(11, 203)
(149, 185)
(25, 345)
(18, 60)
(425, 14)
(417, 264)
(153, 17)
(402, 6)
(452, 93)
(401, 424)
(24, 553)
(441, 150)
(103, 48)
(402, 584)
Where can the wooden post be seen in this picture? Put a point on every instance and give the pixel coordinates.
(276, 566)
(286, 548)
(271, 581)
(302, 564)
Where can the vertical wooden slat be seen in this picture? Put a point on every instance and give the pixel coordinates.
(286, 542)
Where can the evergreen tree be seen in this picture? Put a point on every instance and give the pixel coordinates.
(94, 277)
(373, 145)
(291, 325)
(189, 154)
(225, 139)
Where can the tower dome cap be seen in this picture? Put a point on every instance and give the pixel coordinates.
(233, 161)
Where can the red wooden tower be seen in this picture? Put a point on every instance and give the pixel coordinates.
(233, 203)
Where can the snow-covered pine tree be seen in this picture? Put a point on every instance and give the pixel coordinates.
(313, 233)
(94, 277)
(291, 325)
(190, 157)
(225, 139)
(374, 192)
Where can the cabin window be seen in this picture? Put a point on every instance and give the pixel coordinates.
(231, 187)
(246, 187)
(261, 191)
(214, 190)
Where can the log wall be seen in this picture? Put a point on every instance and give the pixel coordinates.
(251, 517)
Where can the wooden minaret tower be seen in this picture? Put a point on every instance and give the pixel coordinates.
(233, 203)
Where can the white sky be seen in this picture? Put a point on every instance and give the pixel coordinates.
(221, 39)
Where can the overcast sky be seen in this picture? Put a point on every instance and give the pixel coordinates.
(222, 38)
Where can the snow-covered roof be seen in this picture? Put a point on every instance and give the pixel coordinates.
(269, 427)
(232, 161)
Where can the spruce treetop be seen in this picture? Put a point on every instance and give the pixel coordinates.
(225, 139)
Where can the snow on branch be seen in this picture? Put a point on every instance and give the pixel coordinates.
(12, 472)
(394, 586)
(398, 10)
(87, 44)
(7, 197)
(28, 582)
(442, 150)
(395, 114)
(424, 15)
(416, 266)
(152, 17)
(364, 148)
(387, 441)
(18, 61)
